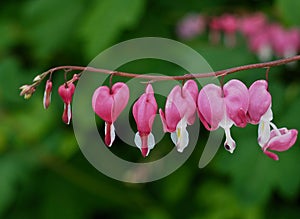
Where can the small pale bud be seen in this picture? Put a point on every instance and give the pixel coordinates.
(27, 96)
(37, 78)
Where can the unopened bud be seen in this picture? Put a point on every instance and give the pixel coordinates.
(37, 78)
(47, 94)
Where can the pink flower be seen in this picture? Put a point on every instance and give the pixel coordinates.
(215, 26)
(284, 42)
(66, 92)
(251, 25)
(144, 111)
(179, 112)
(108, 103)
(260, 44)
(280, 140)
(229, 25)
(224, 108)
(260, 111)
(191, 26)
(47, 94)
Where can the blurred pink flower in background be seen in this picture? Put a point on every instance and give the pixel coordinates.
(191, 26)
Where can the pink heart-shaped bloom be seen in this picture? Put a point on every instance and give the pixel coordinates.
(144, 111)
(108, 103)
(180, 110)
(66, 92)
(223, 108)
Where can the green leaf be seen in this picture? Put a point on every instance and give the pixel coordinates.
(50, 24)
(289, 10)
(106, 20)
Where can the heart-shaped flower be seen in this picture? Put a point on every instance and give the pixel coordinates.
(108, 103)
(280, 140)
(144, 111)
(66, 92)
(225, 107)
(180, 111)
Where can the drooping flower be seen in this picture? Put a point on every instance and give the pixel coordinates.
(66, 92)
(180, 111)
(280, 140)
(260, 112)
(47, 94)
(229, 25)
(252, 24)
(223, 108)
(215, 27)
(108, 103)
(144, 111)
(191, 26)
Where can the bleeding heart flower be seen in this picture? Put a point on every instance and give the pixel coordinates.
(260, 111)
(144, 111)
(47, 94)
(108, 103)
(180, 111)
(66, 92)
(229, 25)
(280, 140)
(223, 108)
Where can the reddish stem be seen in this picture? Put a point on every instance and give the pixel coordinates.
(183, 77)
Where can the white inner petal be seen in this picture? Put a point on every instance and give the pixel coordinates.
(150, 141)
(112, 133)
(264, 129)
(229, 143)
(180, 137)
(137, 140)
(69, 113)
(44, 99)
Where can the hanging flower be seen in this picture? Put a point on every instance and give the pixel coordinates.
(260, 112)
(144, 111)
(108, 103)
(229, 25)
(179, 112)
(280, 140)
(223, 108)
(66, 92)
(47, 94)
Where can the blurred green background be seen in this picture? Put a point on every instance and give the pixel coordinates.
(43, 174)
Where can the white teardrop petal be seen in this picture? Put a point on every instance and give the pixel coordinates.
(137, 140)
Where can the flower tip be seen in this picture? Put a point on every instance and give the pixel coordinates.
(271, 155)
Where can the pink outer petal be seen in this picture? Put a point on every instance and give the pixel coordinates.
(211, 106)
(173, 119)
(190, 94)
(181, 102)
(102, 103)
(259, 102)
(144, 111)
(109, 103)
(282, 142)
(236, 98)
(191, 87)
(66, 92)
(120, 94)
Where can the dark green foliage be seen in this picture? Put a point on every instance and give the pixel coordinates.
(43, 174)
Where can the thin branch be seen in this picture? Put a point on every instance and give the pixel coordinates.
(28, 90)
(183, 77)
